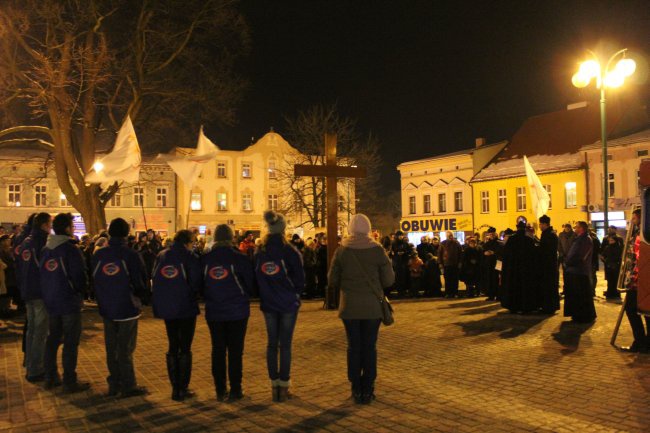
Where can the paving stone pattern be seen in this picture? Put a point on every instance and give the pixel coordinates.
(462, 365)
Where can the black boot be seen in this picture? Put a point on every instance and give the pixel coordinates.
(172, 371)
(184, 374)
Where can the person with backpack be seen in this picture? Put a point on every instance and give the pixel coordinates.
(31, 293)
(281, 279)
(64, 283)
(227, 287)
(176, 281)
(120, 287)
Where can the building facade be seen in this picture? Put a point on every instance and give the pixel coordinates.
(28, 185)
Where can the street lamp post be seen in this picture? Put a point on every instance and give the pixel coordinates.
(605, 78)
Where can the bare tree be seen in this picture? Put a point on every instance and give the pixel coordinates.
(305, 132)
(71, 70)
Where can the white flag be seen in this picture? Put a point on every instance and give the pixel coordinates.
(123, 163)
(538, 194)
(189, 167)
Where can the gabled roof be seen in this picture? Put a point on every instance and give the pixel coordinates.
(410, 186)
(553, 141)
(425, 184)
(456, 181)
(440, 182)
(638, 137)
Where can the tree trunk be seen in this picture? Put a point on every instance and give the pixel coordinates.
(92, 211)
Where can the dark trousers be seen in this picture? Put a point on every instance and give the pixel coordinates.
(66, 328)
(180, 333)
(279, 331)
(227, 338)
(641, 333)
(451, 280)
(612, 274)
(578, 298)
(362, 353)
(120, 339)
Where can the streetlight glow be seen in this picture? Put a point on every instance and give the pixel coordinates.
(614, 79)
(626, 67)
(589, 69)
(98, 166)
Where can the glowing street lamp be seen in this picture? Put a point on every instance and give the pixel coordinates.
(605, 78)
(98, 166)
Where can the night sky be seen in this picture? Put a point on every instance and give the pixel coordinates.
(424, 77)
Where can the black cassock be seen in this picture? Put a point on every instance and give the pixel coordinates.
(519, 273)
(549, 274)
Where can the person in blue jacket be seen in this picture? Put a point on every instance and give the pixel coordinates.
(176, 281)
(281, 279)
(227, 287)
(16, 242)
(63, 283)
(120, 287)
(30, 290)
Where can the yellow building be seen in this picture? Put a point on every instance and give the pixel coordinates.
(553, 144)
(436, 195)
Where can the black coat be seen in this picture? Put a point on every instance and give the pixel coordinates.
(549, 275)
(520, 282)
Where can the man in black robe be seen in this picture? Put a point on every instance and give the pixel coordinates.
(549, 277)
(521, 289)
(489, 273)
(578, 298)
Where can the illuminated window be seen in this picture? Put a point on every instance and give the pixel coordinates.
(14, 194)
(273, 201)
(442, 203)
(161, 197)
(427, 204)
(521, 198)
(63, 201)
(246, 170)
(272, 171)
(485, 201)
(40, 195)
(195, 202)
(611, 182)
(570, 195)
(138, 196)
(116, 200)
(458, 201)
(222, 201)
(503, 200)
(221, 169)
(550, 197)
(247, 202)
(412, 205)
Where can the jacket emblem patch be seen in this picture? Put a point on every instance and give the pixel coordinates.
(270, 268)
(169, 271)
(218, 273)
(26, 255)
(110, 269)
(52, 265)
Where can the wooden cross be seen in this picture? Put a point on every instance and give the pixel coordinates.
(330, 171)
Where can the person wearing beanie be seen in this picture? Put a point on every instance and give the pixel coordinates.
(120, 285)
(361, 270)
(176, 281)
(64, 283)
(227, 287)
(29, 257)
(281, 279)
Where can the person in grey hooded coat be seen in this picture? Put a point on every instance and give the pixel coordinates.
(361, 270)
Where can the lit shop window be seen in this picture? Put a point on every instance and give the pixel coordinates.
(195, 202)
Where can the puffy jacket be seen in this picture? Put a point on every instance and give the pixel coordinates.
(28, 265)
(119, 280)
(578, 260)
(227, 284)
(176, 281)
(63, 278)
(280, 276)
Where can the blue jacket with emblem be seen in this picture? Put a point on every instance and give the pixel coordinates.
(176, 282)
(280, 275)
(119, 279)
(227, 284)
(63, 276)
(29, 263)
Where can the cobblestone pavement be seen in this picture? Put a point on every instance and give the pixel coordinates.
(446, 365)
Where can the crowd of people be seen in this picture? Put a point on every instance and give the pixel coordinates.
(54, 271)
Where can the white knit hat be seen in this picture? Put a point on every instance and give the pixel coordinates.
(359, 224)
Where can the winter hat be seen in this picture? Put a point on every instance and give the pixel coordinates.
(223, 232)
(119, 228)
(492, 230)
(275, 222)
(359, 224)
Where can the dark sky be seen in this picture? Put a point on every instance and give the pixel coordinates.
(425, 77)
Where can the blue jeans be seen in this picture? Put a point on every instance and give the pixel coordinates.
(37, 328)
(279, 329)
(362, 353)
(67, 328)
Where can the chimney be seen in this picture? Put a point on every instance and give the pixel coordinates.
(480, 141)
